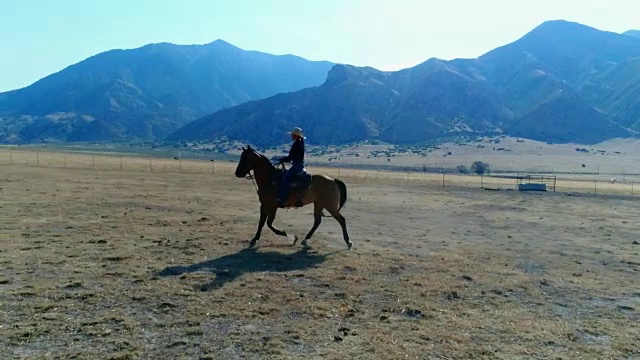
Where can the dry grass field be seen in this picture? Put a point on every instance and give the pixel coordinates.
(98, 263)
(613, 157)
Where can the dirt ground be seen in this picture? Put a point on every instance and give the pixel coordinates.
(124, 265)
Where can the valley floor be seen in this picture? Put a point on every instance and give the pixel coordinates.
(619, 158)
(117, 264)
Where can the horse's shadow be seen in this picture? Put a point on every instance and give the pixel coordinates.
(230, 267)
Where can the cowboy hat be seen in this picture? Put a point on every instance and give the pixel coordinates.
(298, 132)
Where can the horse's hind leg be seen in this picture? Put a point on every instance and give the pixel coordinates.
(343, 223)
(317, 219)
(271, 215)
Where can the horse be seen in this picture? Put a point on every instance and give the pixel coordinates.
(324, 192)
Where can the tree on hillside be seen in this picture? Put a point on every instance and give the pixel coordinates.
(480, 168)
(462, 169)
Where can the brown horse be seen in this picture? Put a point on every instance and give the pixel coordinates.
(323, 191)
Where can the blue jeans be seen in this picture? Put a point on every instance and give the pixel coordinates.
(283, 191)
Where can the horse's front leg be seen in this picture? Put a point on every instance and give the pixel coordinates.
(263, 218)
(271, 216)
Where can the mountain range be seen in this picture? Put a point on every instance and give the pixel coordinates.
(561, 82)
(148, 92)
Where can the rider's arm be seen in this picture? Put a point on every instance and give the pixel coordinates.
(295, 152)
(288, 157)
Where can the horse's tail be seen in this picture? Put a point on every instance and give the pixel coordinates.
(343, 193)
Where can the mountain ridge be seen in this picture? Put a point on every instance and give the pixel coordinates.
(558, 69)
(562, 81)
(632, 33)
(149, 91)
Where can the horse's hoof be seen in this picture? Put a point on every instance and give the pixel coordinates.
(304, 243)
(349, 245)
(252, 243)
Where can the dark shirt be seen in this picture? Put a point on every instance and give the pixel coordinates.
(296, 154)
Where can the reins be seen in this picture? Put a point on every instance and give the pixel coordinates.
(252, 177)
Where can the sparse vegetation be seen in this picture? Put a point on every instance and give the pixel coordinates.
(480, 168)
(462, 169)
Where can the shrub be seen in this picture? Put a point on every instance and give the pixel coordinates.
(480, 168)
(462, 169)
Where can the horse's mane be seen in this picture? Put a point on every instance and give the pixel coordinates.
(266, 160)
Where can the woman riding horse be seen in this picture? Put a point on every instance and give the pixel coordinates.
(296, 158)
(324, 192)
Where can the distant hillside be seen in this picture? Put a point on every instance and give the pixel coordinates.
(360, 103)
(566, 119)
(148, 92)
(634, 33)
(561, 82)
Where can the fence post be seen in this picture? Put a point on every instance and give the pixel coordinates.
(482, 181)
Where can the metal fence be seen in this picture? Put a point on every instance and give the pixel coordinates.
(580, 183)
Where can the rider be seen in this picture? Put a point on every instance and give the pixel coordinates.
(296, 157)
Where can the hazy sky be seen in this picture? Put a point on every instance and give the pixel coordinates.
(39, 37)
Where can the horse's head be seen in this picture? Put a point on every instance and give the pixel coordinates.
(252, 160)
(247, 162)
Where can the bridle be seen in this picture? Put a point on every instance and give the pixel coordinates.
(252, 178)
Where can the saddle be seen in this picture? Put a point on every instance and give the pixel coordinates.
(300, 182)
